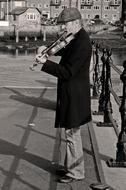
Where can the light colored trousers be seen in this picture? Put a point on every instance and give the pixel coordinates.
(74, 160)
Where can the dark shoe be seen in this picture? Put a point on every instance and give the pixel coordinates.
(66, 179)
(61, 172)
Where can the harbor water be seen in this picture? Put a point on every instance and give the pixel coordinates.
(118, 56)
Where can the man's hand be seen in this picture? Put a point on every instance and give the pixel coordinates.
(41, 49)
(41, 57)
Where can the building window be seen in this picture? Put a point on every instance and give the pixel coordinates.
(87, 16)
(89, 7)
(18, 4)
(114, 17)
(31, 16)
(56, 7)
(64, 6)
(45, 15)
(57, 1)
(107, 7)
(96, 7)
(115, 8)
(39, 5)
(46, 6)
(105, 16)
(33, 5)
(88, 1)
(82, 7)
(116, 1)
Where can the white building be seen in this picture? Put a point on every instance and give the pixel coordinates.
(107, 10)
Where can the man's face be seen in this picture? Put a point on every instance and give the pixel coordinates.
(67, 27)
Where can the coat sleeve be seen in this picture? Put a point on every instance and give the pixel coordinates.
(79, 54)
(57, 70)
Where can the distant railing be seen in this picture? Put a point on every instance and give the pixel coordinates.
(106, 76)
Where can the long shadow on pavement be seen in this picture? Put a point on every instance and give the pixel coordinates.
(33, 101)
(19, 151)
(8, 148)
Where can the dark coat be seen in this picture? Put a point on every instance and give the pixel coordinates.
(73, 88)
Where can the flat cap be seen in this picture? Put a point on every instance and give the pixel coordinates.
(68, 14)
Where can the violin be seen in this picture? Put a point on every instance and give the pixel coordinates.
(59, 44)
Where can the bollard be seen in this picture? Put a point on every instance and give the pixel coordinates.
(44, 33)
(121, 145)
(17, 35)
(26, 38)
(35, 38)
(17, 51)
(107, 102)
(100, 186)
(96, 72)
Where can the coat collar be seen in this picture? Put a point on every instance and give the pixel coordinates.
(79, 32)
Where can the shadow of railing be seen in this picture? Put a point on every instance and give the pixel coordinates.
(19, 152)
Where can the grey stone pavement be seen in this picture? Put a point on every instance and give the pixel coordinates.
(30, 148)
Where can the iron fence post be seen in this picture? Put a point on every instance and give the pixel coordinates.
(101, 106)
(121, 144)
(96, 72)
(108, 105)
(107, 102)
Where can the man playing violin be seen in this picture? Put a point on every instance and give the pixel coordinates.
(73, 109)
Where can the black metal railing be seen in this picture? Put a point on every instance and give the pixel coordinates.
(103, 90)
